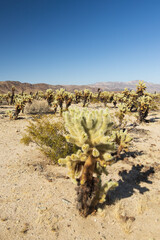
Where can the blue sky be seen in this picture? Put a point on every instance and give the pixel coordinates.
(79, 41)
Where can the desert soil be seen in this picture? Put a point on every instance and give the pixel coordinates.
(37, 200)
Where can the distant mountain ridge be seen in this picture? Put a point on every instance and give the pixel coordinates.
(131, 85)
(6, 86)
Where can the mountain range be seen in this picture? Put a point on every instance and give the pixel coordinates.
(6, 86)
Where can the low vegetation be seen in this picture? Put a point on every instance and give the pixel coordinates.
(48, 135)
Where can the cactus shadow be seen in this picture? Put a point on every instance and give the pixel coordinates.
(2, 112)
(153, 119)
(129, 182)
(132, 154)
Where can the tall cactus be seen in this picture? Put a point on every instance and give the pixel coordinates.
(92, 132)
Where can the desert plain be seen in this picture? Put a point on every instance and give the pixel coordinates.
(37, 199)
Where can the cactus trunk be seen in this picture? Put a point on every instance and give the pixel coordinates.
(87, 196)
(88, 170)
(88, 188)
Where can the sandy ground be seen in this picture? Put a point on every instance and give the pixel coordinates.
(37, 201)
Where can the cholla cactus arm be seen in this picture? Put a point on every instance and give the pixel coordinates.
(105, 188)
(74, 127)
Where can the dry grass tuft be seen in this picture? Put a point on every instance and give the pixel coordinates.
(142, 205)
(123, 218)
(37, 107)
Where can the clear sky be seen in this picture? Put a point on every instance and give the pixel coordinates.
(79, 41)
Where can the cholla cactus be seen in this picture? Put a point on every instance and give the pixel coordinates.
(68, 97)
(92, 132)
(105, 97)
(55, 106)
(12, 96)
(19, 105)
(115, 100)
(141, 87)
(132, 101)
(7, 97)
(28, 98)
(39, 95)
(49, 96)
(78, 96)
(120, 114)
(120, 97)
(123, 139)
(1, 98)
(126, 93)
(86, 96)
(143, 107)
(60, 98)
(98, 93)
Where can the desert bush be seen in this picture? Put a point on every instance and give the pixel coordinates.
(37, 107)
(93, 132)
(49, 137)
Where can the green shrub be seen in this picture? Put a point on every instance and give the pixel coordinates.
(49, 137)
